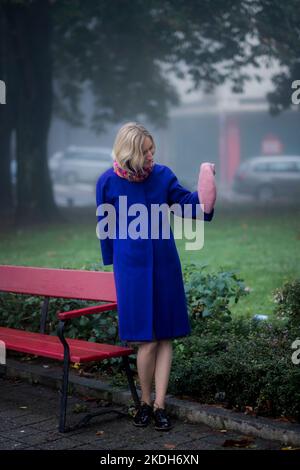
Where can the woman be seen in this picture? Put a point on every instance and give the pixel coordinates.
(150, 292)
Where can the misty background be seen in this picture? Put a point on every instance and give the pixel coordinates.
(211, 80)
(222, 127)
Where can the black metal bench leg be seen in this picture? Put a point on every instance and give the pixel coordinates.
(65, 378)
(64, 395)
(131, 381)
(3, 370)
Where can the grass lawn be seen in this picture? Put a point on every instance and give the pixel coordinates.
(261, 243)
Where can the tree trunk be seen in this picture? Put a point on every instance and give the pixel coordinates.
(32, 28)
(6, 200)
(6, 117)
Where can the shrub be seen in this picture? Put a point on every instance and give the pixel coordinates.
(210, 294)
(247, 364)
(287, 299)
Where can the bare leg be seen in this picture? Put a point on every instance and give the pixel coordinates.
(146, 357)
(162, 371)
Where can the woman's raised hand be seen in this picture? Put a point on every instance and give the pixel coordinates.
(207, 190)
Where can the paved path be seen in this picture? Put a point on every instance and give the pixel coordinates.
(29, 417)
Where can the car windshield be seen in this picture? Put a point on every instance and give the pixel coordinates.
(263, 166)
(277, 166)
(243, 166)
(283, 166)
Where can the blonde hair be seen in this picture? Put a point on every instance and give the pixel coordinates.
(127, 149)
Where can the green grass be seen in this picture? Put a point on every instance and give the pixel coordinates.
(261, 244)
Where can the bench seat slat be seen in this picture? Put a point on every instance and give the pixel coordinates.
(51, 346)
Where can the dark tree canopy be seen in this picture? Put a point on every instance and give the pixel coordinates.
(123, 51)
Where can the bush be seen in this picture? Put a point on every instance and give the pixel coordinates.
(288, 303)
(210, 294)
(244, 363)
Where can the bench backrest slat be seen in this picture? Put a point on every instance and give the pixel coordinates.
(65, 283)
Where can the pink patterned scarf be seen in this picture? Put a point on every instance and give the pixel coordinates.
(137, 176)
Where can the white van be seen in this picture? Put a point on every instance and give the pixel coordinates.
(80, 164)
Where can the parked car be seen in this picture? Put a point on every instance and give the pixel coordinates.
(269, 177)
(80, 164)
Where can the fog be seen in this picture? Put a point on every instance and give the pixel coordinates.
(222, 127)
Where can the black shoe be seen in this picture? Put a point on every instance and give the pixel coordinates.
(162, 421)
(143, 416)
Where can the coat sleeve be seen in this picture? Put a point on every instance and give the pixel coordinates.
(177, 194)
(106, 244)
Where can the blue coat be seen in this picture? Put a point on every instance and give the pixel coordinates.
(148, 277)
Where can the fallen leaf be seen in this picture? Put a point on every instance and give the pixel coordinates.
(169, 446)
(82, 373)
(79, 408)
(89, 398)
(286, 419)
(237, 442)
(131, 411)
(249, 411)
(290, 448)
(26, 358)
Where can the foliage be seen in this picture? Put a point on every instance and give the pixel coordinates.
(287, 299)
(210, 294)
(244, 364)
(277, 31)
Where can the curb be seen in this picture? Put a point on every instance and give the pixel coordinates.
(213, 416)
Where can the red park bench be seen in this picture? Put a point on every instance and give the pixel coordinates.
(67, 284)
